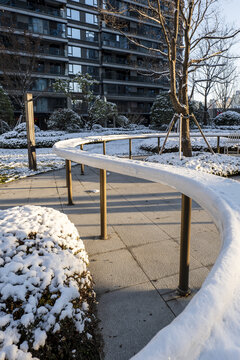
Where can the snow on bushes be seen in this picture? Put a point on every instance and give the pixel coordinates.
(65, 119)
(227, 118)
(44, 285)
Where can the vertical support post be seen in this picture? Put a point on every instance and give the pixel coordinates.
(82, 165)
(183, 287)
(32, 162)
(218, 144)
(180, 137)
(130, 148)
(69, 181)
(103, 203)
(104, 147)
(158, 145)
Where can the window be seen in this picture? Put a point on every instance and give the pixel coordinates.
(93, 70)
(74, 87)
(91, 36)
(91, 2)
(74, 68)
(40, 26)
(40, 84)
(55, 68)
(54, 50)
(73, 33)
(40, 67)
(74, 51)
(42, 105)
(92, 54)
(73, 14)
(91, 19)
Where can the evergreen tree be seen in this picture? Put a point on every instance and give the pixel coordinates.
(162, 111)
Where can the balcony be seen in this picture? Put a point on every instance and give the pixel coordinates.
(37, 8)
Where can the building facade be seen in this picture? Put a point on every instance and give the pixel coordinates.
(74, 39)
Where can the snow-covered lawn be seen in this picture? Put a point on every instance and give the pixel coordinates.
(46, 289)
(14, 162)
(218, 164)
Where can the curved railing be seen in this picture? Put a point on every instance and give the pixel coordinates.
(209, 325)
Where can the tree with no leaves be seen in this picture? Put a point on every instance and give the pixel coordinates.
(181, 23)
(19, 54)
(214, 72)
(224, 88)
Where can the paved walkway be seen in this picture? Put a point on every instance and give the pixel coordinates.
(136, 269)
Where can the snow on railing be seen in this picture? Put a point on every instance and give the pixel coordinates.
(208, 328)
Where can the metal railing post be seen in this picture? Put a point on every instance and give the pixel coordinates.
(183, 287)
(130, 148)
(218, 144)
(69, 181)
(104, 147)
(159, 145)
(82, 165)
(103, 203)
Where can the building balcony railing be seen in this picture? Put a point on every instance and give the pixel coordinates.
(136, 79)
(37, 8)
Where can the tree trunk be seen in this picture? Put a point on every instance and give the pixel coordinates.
(186, 142)
(205, 113)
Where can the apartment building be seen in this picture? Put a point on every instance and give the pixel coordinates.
(74, 39)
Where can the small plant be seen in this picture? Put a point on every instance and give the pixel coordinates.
(65, 119)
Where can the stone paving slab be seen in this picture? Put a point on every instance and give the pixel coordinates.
(136, 269)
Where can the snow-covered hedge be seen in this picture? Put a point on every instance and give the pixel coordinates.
(65, 119)
(227, 118)
(17, 138)
(46, 289)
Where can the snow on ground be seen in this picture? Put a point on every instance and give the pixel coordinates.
(218, 164)
(43, 274)
(14, 162)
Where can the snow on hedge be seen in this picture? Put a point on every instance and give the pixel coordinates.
(222, 165)
(43, 273)
(227, 118)
(17, 138)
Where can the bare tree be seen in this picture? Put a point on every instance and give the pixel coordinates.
(224, 88)
(205, 76)
(181, 23)
(19, 54)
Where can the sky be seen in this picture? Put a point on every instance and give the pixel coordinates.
(230, 11)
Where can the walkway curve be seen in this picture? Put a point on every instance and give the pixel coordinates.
(208, 328)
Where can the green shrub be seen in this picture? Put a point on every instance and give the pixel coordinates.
(227, 118)
(65, 119)
(162, 111)
(102, 112)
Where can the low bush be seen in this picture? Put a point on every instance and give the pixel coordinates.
(227, 118)
(47, 300)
